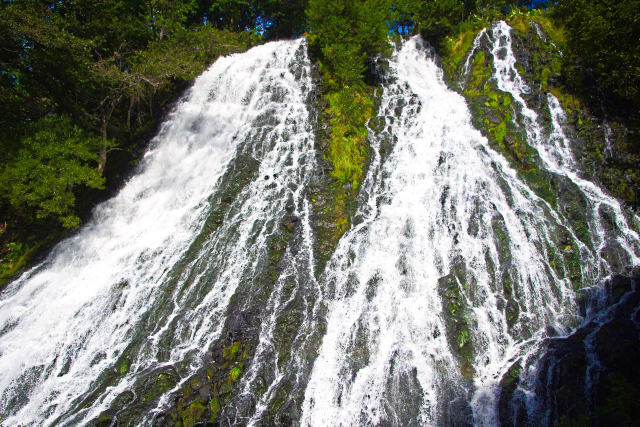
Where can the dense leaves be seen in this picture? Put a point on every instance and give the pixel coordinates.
(80, 77)
(603, 50)
(54, 158)
(345, 35)
(78, 80)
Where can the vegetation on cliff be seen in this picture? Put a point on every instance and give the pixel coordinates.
(344, 38)
(83, 85)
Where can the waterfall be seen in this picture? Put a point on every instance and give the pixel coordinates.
(448, 278)
(196, 286)
(151, 275)
(554, 149)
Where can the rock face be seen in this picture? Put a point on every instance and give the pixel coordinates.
(423, 297)
(591, 377)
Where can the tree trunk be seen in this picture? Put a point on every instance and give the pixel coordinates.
(102, 153)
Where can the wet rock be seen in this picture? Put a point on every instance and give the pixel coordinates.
(451, 288)
(590, 377)
(615, 255)
(493, 119)
(289, 222)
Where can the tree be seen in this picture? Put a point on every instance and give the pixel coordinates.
(234, 15)
(345, 35)
(602, 49)
(54, 159)
(284, 18)
(167, 16)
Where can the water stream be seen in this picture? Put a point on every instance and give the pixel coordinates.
(447, 275)
(153, 273)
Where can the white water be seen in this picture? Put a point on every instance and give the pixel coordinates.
(554, 149)
(151, 278)
(68, 321)
(440, 178)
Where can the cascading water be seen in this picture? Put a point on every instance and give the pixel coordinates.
(610, 244)
(554, 149)
(428, 287)
(195, 286)
(151, 276)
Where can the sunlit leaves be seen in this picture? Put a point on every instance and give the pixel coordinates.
(38, 183)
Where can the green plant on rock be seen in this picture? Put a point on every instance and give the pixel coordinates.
(162, 383)
(215, 409)
(231, 351)
(124, 366)
(192, 413)
(55, 159)
(349, 110)
(234, 373)
(344, 37)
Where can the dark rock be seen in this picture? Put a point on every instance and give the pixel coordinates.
(591, 377)
(493, 119)
(615, 255)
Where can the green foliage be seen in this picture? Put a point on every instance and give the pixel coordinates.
(286, 17)
(435, 19)
(602, 50)
(232, 14)
(345, 36)
(274, 18)
(76, 78)
(349, 110)
(167, 16)
(58, 156)
(181, 57)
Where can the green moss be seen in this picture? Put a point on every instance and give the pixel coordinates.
(17, 258)
(555, 33)
(498, 132)
(281, 397)
(456, 48)
(209, 391)
(234, 373)
(511, 378)
(162, 383)
(463, 338)
(124, 366)
(554, 260)
(512, 313)
(192, 413)
(231, 351)
(335, 203)
(103, 420)
(214, 408)
(540, 184)
(519, 21)
(458, 325)
(349, 110)
(572, 264)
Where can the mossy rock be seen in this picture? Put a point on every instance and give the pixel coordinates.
(457, 317)
(212, 388)
(191, 414)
